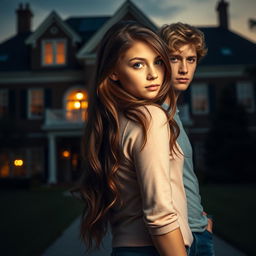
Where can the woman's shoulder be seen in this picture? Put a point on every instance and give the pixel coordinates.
(154, 113)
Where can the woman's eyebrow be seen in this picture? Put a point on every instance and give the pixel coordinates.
(137, 58)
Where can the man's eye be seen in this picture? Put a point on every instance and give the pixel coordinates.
(137, 65)
(191, 60)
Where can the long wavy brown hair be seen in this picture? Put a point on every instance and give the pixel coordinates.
(102, 155)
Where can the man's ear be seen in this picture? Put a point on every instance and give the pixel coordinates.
(114, 76)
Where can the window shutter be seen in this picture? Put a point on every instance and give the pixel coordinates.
(24, 104)
(48, 98)
(212, 98)
(12, 102)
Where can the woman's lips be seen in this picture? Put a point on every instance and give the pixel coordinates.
(152, 87)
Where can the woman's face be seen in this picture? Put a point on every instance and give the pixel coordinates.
(140, 71)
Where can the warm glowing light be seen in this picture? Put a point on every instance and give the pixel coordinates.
(77, 104)
(79, 95)
(66, 154)
(18, 162)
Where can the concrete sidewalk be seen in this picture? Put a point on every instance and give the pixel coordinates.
(68, 244)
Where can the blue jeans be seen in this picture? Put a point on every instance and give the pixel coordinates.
(135, 251)
(202, 244)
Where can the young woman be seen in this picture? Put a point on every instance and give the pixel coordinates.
(133, 167)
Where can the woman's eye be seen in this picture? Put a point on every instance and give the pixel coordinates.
(137, 65)
(159, 62)
(173, 59)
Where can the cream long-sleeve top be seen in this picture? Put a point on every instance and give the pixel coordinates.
(150, 184)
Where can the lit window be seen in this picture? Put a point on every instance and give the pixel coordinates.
(3, 102)
(48, 53)
(200, 103)
(36, 103)
(76, 105)
(54, 52)
(60, 53)
(245, 95)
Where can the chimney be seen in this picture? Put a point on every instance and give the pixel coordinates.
(24, 17)
(222, 9)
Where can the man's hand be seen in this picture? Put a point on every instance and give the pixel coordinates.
(210, 223)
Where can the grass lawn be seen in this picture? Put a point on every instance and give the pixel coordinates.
(32, 219)
(233, 208)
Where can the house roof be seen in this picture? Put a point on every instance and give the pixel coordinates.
(86, 26)
(127, 9)
(227, 48)
(14, 54)
(52, 17)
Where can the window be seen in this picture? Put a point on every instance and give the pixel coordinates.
(54, 52)
(35, 103)
(76, 105)
(3, 102)
(200, 103)
(4, 165)
(245, 95)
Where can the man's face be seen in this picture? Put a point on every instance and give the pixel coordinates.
(183, 65)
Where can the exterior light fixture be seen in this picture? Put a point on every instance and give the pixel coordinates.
(18, 162)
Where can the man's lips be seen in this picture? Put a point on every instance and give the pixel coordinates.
(182, 80)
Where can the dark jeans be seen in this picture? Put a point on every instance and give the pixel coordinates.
(135, 251)
(202, 244)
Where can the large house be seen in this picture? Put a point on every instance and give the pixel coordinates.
(45, 75)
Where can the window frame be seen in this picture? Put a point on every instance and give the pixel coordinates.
(29, 113)
(54, 43)
(250, 93)
(194, 110)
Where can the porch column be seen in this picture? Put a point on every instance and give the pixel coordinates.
(52, 177)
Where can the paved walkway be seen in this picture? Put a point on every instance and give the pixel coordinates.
(68, 244)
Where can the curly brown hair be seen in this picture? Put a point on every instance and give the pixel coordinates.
(178, 34)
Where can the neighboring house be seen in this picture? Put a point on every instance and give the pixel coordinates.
(227, 64)
(45, 76)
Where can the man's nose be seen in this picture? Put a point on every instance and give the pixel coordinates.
(183, 68)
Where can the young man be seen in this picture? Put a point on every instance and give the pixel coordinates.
(187, 47)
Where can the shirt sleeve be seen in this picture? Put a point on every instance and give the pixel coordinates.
(152, 165)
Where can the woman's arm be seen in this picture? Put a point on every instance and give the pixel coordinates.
(152, 165)
(170, 244)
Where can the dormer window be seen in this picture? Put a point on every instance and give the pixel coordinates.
(54, 52)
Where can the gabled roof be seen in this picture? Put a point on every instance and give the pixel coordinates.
(15, 54)
(227, 48)
(127, 8)
(53, 17)
(86, 26)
